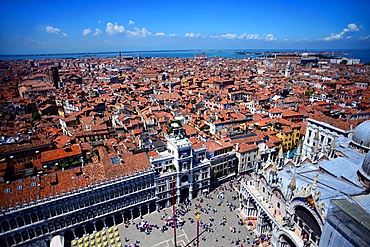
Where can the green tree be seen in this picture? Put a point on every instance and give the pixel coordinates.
(308, 93)
(36, 116)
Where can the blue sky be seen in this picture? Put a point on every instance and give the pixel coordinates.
(32, 27)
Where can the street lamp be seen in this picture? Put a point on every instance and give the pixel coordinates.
(197, 215)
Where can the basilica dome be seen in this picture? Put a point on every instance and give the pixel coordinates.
(364, 171)
(361, 135)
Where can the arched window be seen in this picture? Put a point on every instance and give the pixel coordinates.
(58, 209)
(51, 227)
(31, 233)
(27, 219)
(81, 202)
(5, 226)
(70, 206)
(65, 208)
(56, 225)
(53, 212)
(44, 229)
(24, 235)
(20, 221)
(38, 231)
(87, 202)
(97, 198)
(62, 223)
(33, 217)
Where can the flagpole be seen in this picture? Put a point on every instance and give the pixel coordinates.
(174, 211)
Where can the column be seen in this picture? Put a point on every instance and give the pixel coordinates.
(123, 217)
(259, 221)
(94, 224)
(74, 234)
(132, 215)
(148, 205)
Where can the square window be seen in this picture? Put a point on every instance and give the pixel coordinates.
(19, 187)
(7, 190)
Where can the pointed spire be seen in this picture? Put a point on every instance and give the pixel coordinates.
(332, 146)
(274, 167)
(258, 157)
(323, 150)
(292, 185)
(316, 147)
(298, 148)
(280, 155)
(317, 135)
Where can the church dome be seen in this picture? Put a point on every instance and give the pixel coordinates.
(365, 169)
(361, 135)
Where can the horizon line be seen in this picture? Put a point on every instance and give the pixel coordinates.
(184, 50)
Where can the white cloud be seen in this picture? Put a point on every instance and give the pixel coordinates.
(97, 32)
(192, 35)
(86, 31)
(99, 22)
(114, 29)
(229, 36)
(269, 37)
(160, 34)
(139, 32)
(351, 28)
(131, 22)
(249, 36)
(54, 30)
(173, 35)
(367, 37)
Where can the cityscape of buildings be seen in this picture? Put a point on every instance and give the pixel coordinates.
(88, 143)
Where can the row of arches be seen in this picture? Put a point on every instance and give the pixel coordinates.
(79, 224)
(78, 203)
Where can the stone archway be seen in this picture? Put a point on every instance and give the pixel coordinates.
(184, 179)
(311, 214)
(79, 232)
(285, 241)
(68, 237)
(152, 207)
(127, 215)
(109, 221)
(281, 238)
(135, 213)
(308, 218)
(99, 225)
(118, 218)
(184, 193)
(10, 240)
(144, 209)
(89, 228)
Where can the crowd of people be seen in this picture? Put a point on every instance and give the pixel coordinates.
(213, 228)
